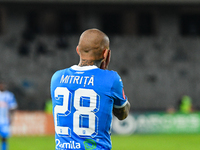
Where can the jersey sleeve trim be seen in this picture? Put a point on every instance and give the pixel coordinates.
(116, 106)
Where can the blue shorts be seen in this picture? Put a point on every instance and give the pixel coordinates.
(4, 131)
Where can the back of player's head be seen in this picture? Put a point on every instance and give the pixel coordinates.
(92, 42)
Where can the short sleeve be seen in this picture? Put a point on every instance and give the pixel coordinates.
(120, 99)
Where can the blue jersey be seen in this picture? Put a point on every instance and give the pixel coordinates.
(83, 99)
(7, 102)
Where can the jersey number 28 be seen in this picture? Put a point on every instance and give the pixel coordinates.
(86, 103)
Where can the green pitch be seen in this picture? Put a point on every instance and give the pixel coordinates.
(32, 143)
(133, 142)
(156, 142)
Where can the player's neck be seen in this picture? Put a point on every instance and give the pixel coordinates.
(85, 62)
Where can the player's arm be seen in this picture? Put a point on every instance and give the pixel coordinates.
(122, 113)
(11, 114)
(121, 105)
(12, 107)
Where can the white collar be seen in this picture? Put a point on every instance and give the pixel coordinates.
(83, 68)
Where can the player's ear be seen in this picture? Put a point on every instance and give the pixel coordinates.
(105, 54)
(106, 60)
(77, 50)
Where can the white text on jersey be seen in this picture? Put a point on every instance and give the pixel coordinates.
(71, 79)
(70, 145)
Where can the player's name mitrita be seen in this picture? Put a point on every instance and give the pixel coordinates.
(72, 79)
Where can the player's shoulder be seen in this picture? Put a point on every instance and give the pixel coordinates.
(113, 73)
(58, 72)
(8, 93)
(110, 75)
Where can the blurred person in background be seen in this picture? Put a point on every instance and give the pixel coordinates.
(48, 106)
(8, 105)
(185, 104)
(85, 95)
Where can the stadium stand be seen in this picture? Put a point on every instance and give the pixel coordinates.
(156, 69)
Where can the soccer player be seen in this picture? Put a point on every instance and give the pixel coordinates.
(7, 107)
(85, 95)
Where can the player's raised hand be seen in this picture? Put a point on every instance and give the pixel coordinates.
(105, 62)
